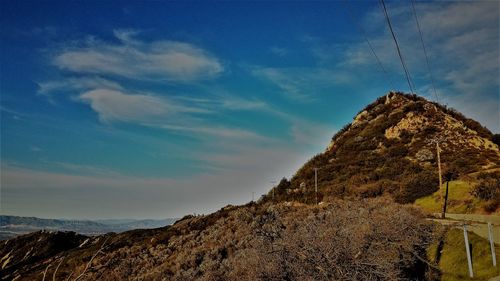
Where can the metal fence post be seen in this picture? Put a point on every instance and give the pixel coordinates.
(492, 244)
(467, 251)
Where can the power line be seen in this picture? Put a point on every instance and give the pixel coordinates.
(425, 51)
(363, 33)
(407, 73)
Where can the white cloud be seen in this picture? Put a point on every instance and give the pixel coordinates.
(226, 101)
(218, 132)
(76, 84)
(113, 105)
(127, 36)
(234, 103)
(154, 111)
(135, 59)
(301, 83)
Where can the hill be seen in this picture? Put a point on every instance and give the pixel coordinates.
(390, 148)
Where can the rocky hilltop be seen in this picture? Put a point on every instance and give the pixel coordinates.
(390, 148)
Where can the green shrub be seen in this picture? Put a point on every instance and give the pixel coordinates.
(496, 139)
(418, 185)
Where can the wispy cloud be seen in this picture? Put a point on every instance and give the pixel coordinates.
(301, 83)
(281, 52)
(236, 103)
(48, 88)
(136, 59)
(76, 169)
(159, 112)
(216, 131)
(113, 105)
(35, 148)
(226, 101)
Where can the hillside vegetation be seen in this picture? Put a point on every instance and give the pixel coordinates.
(373, 239)
(390, 148)
(363, 228)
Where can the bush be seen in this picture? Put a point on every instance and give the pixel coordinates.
(283, 185)
(491, 206)
(418, 185)
(488, 187)
(341, 131)
(398, 151)
(370, 190)
(363, 240)
(496, 139)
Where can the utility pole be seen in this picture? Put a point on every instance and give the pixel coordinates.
(273, 183)
(440, 177)
(443, 215)
(316, 183)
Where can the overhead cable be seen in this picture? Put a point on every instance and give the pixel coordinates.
(425, 51)
(407, 73)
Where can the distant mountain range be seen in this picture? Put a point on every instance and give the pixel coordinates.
(11, 226)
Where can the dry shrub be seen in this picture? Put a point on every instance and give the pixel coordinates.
(366, 240)
(491, 205)
(488, 187)
(369, 239)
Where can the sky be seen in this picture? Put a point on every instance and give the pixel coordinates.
(135, 109)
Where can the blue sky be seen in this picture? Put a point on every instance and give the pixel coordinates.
(159, 109)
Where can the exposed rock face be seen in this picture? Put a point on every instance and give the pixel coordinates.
(411, 123)
(424, 154)
(362, 116)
